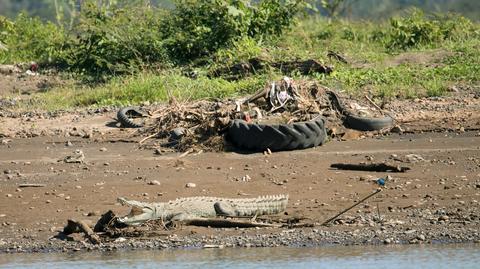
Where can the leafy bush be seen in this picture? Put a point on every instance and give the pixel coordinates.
(29, 39)
(116, 39)
(197, 28)
(272, 17)
(125, 36)
(418, 29)
(325, 34)
(241, 50)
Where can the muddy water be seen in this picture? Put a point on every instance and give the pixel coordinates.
(418, 256)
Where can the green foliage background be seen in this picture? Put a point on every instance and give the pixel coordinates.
(355, 9)
(130, 52)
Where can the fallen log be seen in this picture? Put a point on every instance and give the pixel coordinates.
(304, 67)
(31, 185)
(74, 226)
(253, 65)
(373, 167)
(332, 54)
(106, 221)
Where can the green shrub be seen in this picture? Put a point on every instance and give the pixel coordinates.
(456, 27)
(30, 39)
(127, 36)
(325, 34)
(417, 29)
(116, 39)
(272, 17)
(241, 50)
(349, 34)
(197, 28)
(412, 31)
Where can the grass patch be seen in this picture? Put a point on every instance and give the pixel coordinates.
(370, 68)
(142, 87)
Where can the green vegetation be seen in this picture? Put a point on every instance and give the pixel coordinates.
(28, 39)
(134, 53)
(110, 39)
(416, 30)
(145, 87)
(348, 9)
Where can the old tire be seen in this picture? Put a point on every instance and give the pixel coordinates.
(125, 114)
(277, 137)
(356, 122)
(367, 123)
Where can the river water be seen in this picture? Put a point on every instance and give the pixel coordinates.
(358, 257)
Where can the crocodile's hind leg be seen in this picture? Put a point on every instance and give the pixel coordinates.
(224, 209)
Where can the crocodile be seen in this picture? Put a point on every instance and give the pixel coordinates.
(183, 209)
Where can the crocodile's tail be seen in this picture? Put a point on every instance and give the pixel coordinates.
(263, 205)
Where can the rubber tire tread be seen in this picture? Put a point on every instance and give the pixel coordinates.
(368, 123)
(356, 122)
(277, 137)
(125, 121)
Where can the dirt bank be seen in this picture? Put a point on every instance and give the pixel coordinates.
(437, 200)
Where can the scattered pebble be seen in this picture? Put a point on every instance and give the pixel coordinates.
(5, 141)
(414, 158)
(443, 218)
(421, 237)
(154, 182)
(191, 185)
(246, 178)
(396, 129)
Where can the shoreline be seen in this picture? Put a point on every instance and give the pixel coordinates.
(310, 237)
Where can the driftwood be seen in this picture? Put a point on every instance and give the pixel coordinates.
(263, 93)
(74, 226)
(107, 220)
(332, 54)
(241, 69)
(31, 185)
(379, 108)
(298, 225)
(304, 67)
(374, 167)
(347, 209)
(255, 64)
